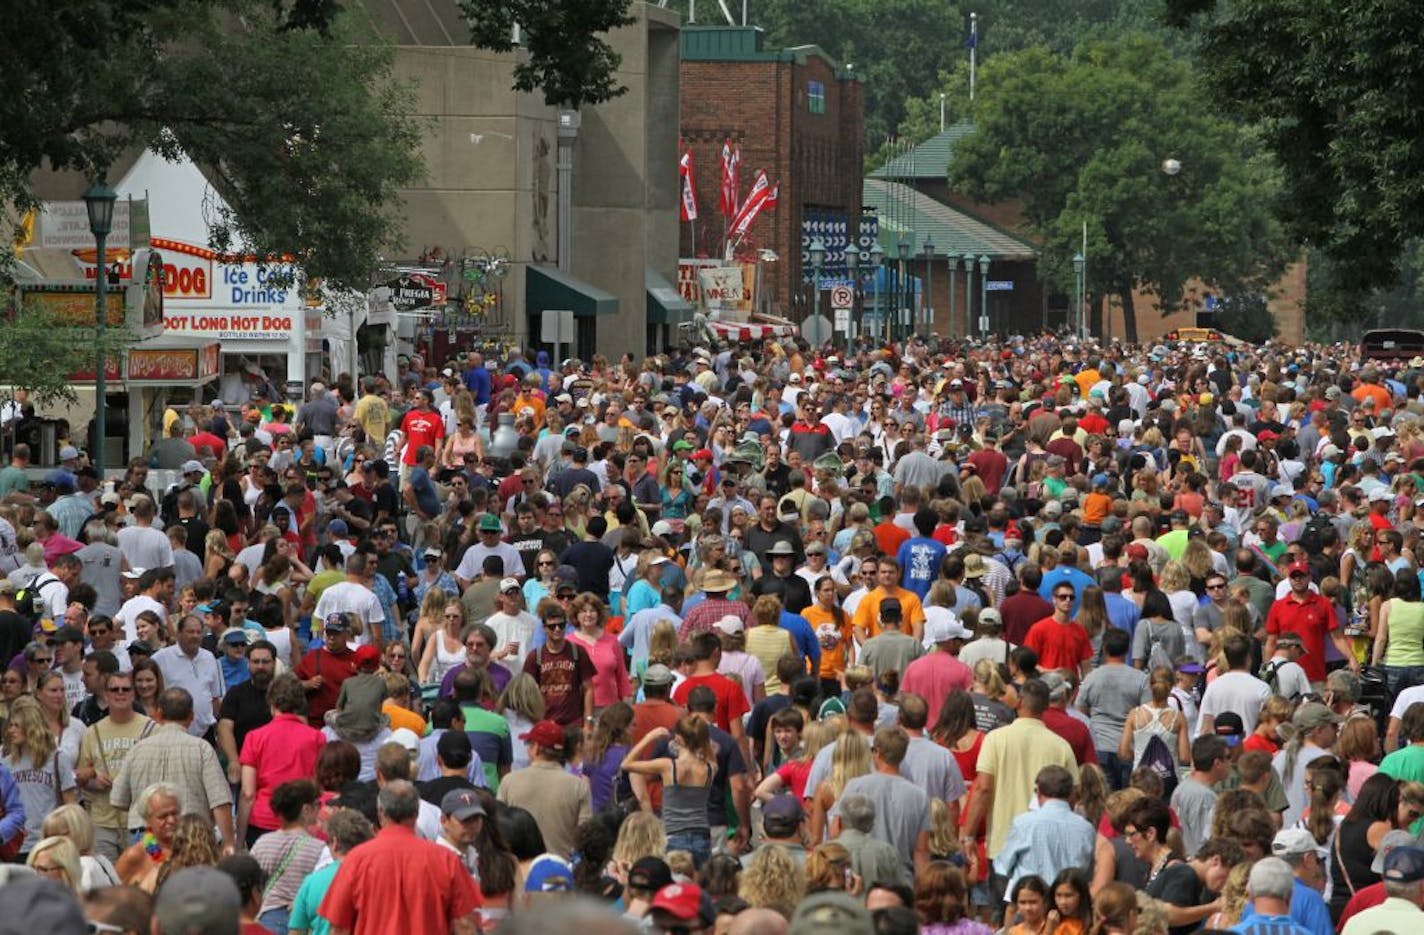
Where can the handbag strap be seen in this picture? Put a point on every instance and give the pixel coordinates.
(58, 781)
(1340, 862)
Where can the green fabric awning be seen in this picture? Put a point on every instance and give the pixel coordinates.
(547, 288)
(666, 306)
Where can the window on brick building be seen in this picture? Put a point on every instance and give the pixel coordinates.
(816, 97)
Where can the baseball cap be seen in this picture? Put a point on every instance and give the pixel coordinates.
(685, 902)
(68, 453)
(1292, 842)
(1289, 639)
(782, 547)
(657, 674)
(192, 467)
(366, 655)
(336, 621)
(650, 874)
(63, 480)
(461, 804)
(1404, 865)
(1136, 552)
(1228, 725)
(831, 912)
(197, 899)
(235, 636)
(942, 630)
(68, 634)
(1380, 495)
(1312, 715)
(989, 617)
(1391, 840)
(490, 523)
(730, 625)
(508, 584)
(1302, 568)
(549, 873)
(545, 733)
(783, 811)
(406, 738)
(662, 528)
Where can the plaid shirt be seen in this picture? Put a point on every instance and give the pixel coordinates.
(390, 630)
(701, 617)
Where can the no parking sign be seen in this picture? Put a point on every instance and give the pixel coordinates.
(842, 297)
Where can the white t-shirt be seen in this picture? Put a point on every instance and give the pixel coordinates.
(348, 597)
(251, 557)
(200, 675)
(127, 617)
(1291, 680)
(472, 563)
(1411, 695)
(517, 627)
(1241, 692)
(145, 547)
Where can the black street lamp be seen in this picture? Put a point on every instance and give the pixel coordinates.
(984, 293)
(99, 201)
(902, 249)
(818, 259)
(877, 274)
(928, 249)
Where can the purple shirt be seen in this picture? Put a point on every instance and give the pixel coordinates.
(603, 775)
(498, 674)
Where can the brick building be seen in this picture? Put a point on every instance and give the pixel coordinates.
(796, 114)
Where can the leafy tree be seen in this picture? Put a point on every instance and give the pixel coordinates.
(1335, 91)
(1083, 139)
(37, 356)
(288, 105)
(567, 59)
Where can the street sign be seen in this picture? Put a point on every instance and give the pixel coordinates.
(556, 327)
(983, 324)
(816, 329)
(842, 297)
(843, 319)
(999, 285)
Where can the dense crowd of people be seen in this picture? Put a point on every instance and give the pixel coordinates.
(1034, 636)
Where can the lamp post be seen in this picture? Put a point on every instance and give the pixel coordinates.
(928, 249)
(969, 323)
(852, 262)
(903, 296)
(99, 202)
(877, 272)
(984, 294)
(953, 275)
(818, 257)
(1078, 263)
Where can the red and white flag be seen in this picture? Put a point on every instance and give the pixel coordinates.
(761, 197)
(688, 207)
(731, 179)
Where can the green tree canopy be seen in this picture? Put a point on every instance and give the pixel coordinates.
(1336, 92)
(1083, 139)
(568, 60)
(288, 105)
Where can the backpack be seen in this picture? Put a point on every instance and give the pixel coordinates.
(27, 600)
(1156, 655)
(1313, 534)
(1010, 559)
(573, 648)
(1158, 758)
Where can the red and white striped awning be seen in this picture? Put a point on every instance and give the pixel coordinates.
(749, 331)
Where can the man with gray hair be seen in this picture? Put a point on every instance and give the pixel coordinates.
(1050, 839)
(398, 882)
(872, 860)
(1269, 887)
(102, 564)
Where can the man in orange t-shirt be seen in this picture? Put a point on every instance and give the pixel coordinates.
(867, 614)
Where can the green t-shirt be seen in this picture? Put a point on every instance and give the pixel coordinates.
(1405, 764)
(13, 479)
(493, 743)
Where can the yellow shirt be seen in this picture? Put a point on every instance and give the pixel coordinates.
(374, 417)
(768, 644)
(1013, 755)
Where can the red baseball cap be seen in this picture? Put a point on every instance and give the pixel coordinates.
(1267, 436)
(683, 900)
(1136, 552)
(546, 734)
(367, 655)
(701, 454)
(1301, 567)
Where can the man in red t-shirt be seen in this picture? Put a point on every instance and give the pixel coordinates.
(323, 670)
(422, 426)
(564, 673)
(1059, 642)
(1310, 616)
(731, 699)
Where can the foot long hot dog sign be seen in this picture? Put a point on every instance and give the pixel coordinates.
(227, 298)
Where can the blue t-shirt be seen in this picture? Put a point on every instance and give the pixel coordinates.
(477, 381)
(920, 559)
(426, 496)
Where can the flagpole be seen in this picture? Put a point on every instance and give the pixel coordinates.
(973, 49)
